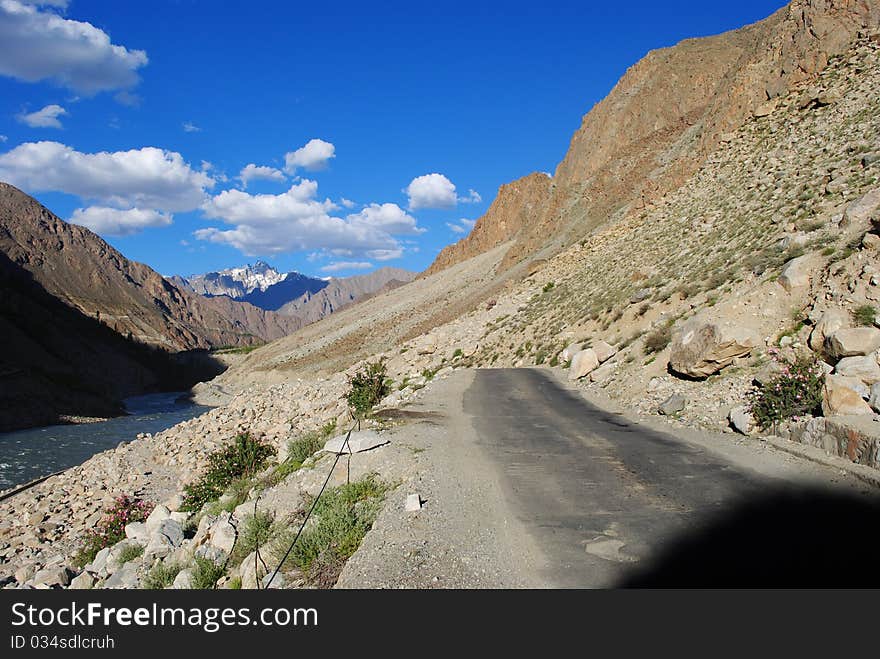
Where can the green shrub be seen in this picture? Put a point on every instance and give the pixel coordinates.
(255, 532)
(865, 315)
(111, 529)
(548, 286)
(795, 391)
(367, 387)
(130, 552)
(342, 517)
(241, 458)
(301, 449)
(161, 575)
(658, 339)
(205, 573)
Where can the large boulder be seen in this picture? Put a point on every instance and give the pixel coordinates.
(862, 210)
(796, 273)
(840, 396)
(853, 341)
(703, 347)
(223, 533)
(864, 368)
(831, 321)
(603, 351)
(583, 363)
(569, 352)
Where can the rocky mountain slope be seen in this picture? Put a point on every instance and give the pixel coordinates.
(75, 265)
(58, 363)
(661, 120)
(312, 306)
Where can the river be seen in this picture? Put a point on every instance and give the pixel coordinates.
(34, 452)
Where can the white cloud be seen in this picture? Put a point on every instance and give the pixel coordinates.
(142, 178)
(431, 191)
(348, 203)
(473, 197)
(37, 44)
(252, 172)
(313, 156)
(45, 118)
(3, 138)
(390, 218)
(385, 254)
(463, 226)
(190, 127)
(61, 4)
(116, 222)
(347, 265)
(297, 221)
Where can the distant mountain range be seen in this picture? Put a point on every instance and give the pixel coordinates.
(291, 293)
(83, 327)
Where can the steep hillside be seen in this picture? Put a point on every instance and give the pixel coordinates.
(667, 113)
(768, 190)
(58, 363)
(338, 293)
(75, 265)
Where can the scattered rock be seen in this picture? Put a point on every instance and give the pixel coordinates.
(360, 440)
(839, 396)
(84, 581)
(741, 420)
(853, 341)
(796, 273)
(702, 348)
(583, 363)
(183, 580)
(569, 352)
(830, 321)
(860, 211)
(413, 503)
(223, 533)
(675, 403)
(603, 351)
(52, 577)
(864, 368)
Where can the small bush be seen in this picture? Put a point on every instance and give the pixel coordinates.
(865, 315)
(301, 449)
(367, 387)
(658, 340)
(205, 574)
(548, 286)
(111, 528)
(242, 458)
(255, 532)
(161, 575)
(130, 552)
(795, 391)
(342, 517)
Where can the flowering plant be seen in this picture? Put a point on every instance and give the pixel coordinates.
(111, 528)
(795, 390)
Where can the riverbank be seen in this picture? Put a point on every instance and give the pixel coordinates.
(36, 452)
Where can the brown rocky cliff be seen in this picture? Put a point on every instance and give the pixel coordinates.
(661, 120)
(516, 204)
(79, 268)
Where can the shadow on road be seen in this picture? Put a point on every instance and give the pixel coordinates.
(802, 538)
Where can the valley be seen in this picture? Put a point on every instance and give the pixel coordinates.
(679, 323)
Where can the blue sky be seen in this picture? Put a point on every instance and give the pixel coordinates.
(138, 119)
